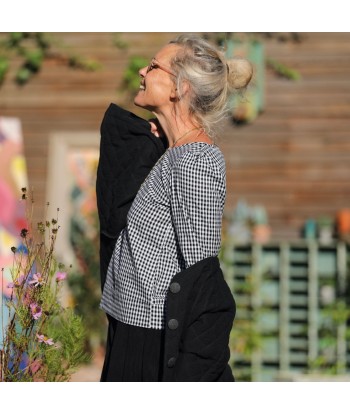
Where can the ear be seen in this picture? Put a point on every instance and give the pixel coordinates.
(176, 96)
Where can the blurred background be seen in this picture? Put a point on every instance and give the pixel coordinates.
(286, 231)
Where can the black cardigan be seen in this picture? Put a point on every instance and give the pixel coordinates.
(199, 316)
(200, 308)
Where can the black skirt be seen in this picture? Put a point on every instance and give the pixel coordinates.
(133, 354)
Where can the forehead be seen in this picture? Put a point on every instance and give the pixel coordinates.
(167, 53)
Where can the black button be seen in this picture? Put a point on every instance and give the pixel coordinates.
(171, 362)
(175, 287)
(173, 324)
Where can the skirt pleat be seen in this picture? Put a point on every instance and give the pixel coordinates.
(133, 354)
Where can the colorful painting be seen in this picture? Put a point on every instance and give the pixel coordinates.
(83, 167)
(13, 176)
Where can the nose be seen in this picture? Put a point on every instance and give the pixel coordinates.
(143, 71)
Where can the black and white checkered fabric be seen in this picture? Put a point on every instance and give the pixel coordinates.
(175, 221)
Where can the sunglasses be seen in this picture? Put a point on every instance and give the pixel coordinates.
(154, 64)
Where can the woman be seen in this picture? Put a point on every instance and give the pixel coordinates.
(165, 258)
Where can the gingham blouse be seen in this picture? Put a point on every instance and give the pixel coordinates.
(174, 221)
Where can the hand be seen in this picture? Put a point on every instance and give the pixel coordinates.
(156, 128)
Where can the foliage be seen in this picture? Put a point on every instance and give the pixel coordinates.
(334, 317)
(283, 70)
(248, 338)
(32, 49)
(245, 337)
(131, 78)
(43, 340)
(119, 42)
(131, 82)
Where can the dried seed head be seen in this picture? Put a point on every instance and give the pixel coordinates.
(24, 232)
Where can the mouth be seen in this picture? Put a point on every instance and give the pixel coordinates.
(142, 87)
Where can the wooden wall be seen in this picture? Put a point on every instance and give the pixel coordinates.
(294, 159)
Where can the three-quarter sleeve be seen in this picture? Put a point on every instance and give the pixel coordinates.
(197, 198)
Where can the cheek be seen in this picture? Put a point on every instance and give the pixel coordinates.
(157, 92)
(161, 90)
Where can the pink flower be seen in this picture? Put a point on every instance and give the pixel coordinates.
(60, 276)
(36, 310)
(42, 338)
(17, 283)
(37, 280)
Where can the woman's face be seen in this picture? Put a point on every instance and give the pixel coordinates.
(157, 88)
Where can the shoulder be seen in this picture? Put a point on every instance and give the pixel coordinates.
(198, 157)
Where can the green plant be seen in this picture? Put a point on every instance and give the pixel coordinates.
(131, 78)
(43, 340)
(283, 70)
(245, 336)
(119, 42)
(32, 49)
(334, 318)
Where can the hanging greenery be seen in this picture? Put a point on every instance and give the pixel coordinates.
(32, 50)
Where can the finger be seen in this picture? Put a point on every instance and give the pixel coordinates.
(154, 128)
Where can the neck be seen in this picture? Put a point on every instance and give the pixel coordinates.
(186, 134)
(176, 127)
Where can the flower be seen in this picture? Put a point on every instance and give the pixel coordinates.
(37, 280)
(44, 339)
(17, 283)
(60, 276)
(36, 310)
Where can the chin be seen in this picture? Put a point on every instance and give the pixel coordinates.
(141, 104)
(138, 102)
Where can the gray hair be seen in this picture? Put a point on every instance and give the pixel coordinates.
(212, 78)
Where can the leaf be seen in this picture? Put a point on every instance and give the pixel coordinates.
(131, 78)
(34, 60)
(283, 70)
(23, 75)
(4, 65)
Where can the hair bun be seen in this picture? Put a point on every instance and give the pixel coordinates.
(240, 72)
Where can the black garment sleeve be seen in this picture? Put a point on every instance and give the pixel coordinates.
(128, 151)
